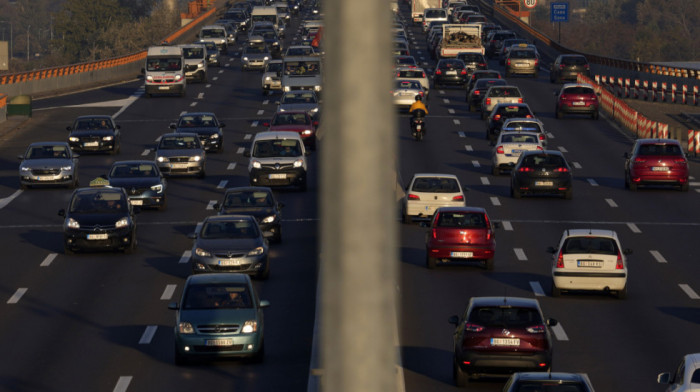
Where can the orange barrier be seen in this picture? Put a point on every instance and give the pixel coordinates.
(3, 100)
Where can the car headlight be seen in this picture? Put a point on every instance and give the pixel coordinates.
(245, 59)
(108, 138)
(287, 88)
(67, 168)
(123, 222)
(200, 65)
(256, 165)
(162, 159)
(73, 139)
(250, 326)
(201, 252)
(268, 219)
(178, 78)
(25, 169)
(72, 223)
(214, 135)
(281, 109)
(157, 188)
(265, 58)
(317, 88)
(196, 158)
(314, 110)
(149, 78)
(275, 44)
(307, 132)
(257, 251)
(185, 327)
(267, 78)
(299, 163)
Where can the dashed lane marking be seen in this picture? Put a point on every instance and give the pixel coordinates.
(469, 148)
(17, 295)
(495, 201)
(562, 149)
(485, 181)
(222, 184)
(148, 334)
(559, 333)
(168, 292)
(185, 258)
(247, 136)
(200, 96)
(123, 384)
(231, 166)
(592, 182)
(537, 289)
(461, 134)
(240, 150)
(261, 111)
(507, 226)
(48, 260)
(215, 78)
(658, 257)
(445, 101)
(476, 164)
(265, 102)
(611, 203)
(145, 152)
(520, 254)
(633, 227)
(456, 121)
(451, 111)
(254, 124)
(210, 206)
(576, 165)
(193, 104)
(689, 291)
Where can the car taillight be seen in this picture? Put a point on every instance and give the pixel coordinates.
(618, 264)
(496, 117)
(639, 160)
(424, 75)
(477, 92)
(398, 74)
(464, 72)
(525, 169)
(520, 100)
(438, 72)
(458, 198)
(488, 101)
(422, 93)
(587, 67)
(536, 329)
(560, 260)
(499, 150)
(434, 233)
(411, 196)
(679, 160)
(561, 66)
(482, 64)
(540, 148)
(542, 136)
(508, 62)
(528, 116)
(561, 170)
(471, 327)
(537, 62)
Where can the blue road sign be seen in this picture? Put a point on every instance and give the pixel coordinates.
(559, 12)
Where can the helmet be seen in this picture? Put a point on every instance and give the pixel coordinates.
(419, 98)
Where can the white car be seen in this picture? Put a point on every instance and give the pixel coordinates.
(428, 191)
(508, 148)
(522, 124)
(405, 91)
(414, 73)
(589, 259)
(686, 378)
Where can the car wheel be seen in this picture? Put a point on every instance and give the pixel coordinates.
(180, 360)
(488, 264)
(132, 245)
(458, 375)
(622, 294)
(556, 291)
(495, 171)
(515, 193)
(259, 356)
(430, 262)
(568, 194)
(202, 173)
(685, 187)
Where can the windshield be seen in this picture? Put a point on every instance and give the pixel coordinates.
(178, 143)
(129, 170)
(302, 68)
(193, 53)
(264, 18)
(212, 296)
(299, 98)
(216, 229)
(253, 49)
(291, 119)
(212, 33)
(435, 185)
(274, 67)
(276, 148)
(164, 64)
(197, 121)
(248, 199)
(99, 202)
(47, 152)
(92, 123)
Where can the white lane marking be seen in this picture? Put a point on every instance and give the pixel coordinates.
(265, 102)
(181, 113)
(592, 182)
(469, 147)
(17, 295)
(694, 183)
(146, 152)
(215, 78)
(562, 149)
(659, 258)
(200, 96)
(697, 190)
(247, 136)
(158, 139)
(227, 65)
(550, 135)
(442, 92)
(193, 104)
(507, 226)
(485, 181)
(7, 200)
(207, 85)
(689, 291)
(461, 134)
(577, 165)
(168, 292)
(222, 184)
(261, 111)
(123, 383)
(127, 102)
(611, 203)
(221, 71)
(231, 166)
(520, 254)
(445, 100)
(495, 201)
(254, 124)
(210, 206)
(240, 150)
(476, 164)
(451, 111)
(185, 258)
(148, 334)
(48, 260)
(559, 333)
(537, 289)
(456, 121)
(633, 227)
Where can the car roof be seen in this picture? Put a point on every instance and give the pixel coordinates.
(517, 133)
(428, 175)
(100, 189)
(405, 68)
(249, 188)
(543, 152)
(693, 359)
(266, 135)
(228, 218)
(502, 104)
(508, 301)
(105, 116)
(567, 85)
(522, 119)
(657, 141)
(179, 134)
(590, 232)
(198, 114)
(302, 58)
(37, 144)
(461, 209)
(219, 277)
(546, 376)
(134, 161)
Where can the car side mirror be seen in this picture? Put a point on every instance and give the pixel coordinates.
(69, 128)
(246, 154)
(454, 320)
(551, 249)
(61, 212)
(173, 306)
(552, 322)
(663, 378)
(172, 126)
(192, 236)
(264, 303)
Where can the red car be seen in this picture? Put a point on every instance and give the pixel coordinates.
(460, 234)
(500, 335)
(577, 98)
(296, 121)
(656, 162)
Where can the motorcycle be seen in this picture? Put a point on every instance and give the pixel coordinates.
(418, 124)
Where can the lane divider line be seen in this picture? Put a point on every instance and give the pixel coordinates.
(123, 383)
(562, 149)
(247, 136)
(520, 254)
(537, 289)
(495, 201)
(658, 257)
(231, 166)
(634, 228)
(485, 181)
(577, 165)
(240, 150)
(559, 333)
(148, 334)
(507, 226)
(48, 260)
(469, 148)
(592, 182)
(222, 184)
(611, 203)
(476, 164)
(185, 258)
(17, 295)
(168, 292)
(210, 206)
(689, 291)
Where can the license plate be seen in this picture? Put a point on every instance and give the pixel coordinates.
(229, 262)
(91, 144)
(660, 168)
(45, 178)
(278, 176)
(103, 236)
(136, 202)
(505, 342)
(178, 165)
(544, 183)
(220, 342)
(516, 152)
(578, 103)
(451, 73)
(520, 65)
(589, 263)
(462, 255)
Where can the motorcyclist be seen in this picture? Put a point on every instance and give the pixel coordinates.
(417, 109)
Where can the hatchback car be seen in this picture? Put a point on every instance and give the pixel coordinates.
(685, 378)
(479, 74)
(541, 172)
(405, 92)
(450, 71)
(460, 234)
(575, 98)
(526, 125)
(405, 61)
(143, 182)
(568, 67)
(426, 192)
(508, 148)
(522, 60)
(476, 95)
(258, 202)
(272, 77)
(499, 94)
(256, 54)
(505, 48)
(230, 243)
(473, 61)
(181, 154)
(589, 259)
(298, 100)
(295, 121)
(219, 316)
(656, 162)
(414, 73)
(500, 335)
(503, 111)
(95, 134)
(48, 163)
(495, 40)
(99, 218)
(548, 382)
(205, 125)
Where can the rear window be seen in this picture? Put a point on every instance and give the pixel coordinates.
(518, 139)
(516, 126)
(660, 149)
(514, 111)
(505, 92)
(574, 60)
(506, 317)
(485, 83)
(411, 74)
(596, 245)
(435, 185)
(461, 219)
(451, 64)
(523, 54)
(579, 90)
(543, 160)
(470, 57)
(406, 84)
(435, 14)
(549, 386)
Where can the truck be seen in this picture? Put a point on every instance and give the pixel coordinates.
(165, 71)
(417, 7)
(459, 38)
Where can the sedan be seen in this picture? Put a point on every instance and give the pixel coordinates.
(460, 234)
(656, 162)
(541, 172)
(499, 94)
(476, 95)
(473, 61)
(205, 125)
(450, 71)
(576, 98)
(94, 134)
(255, 55)
(296, 100)
(219, 316)
(427, 192)
(405, 93)
(479, 74)
(508, 148)
(258, 202)
(300, 122)
(517, 124)
(181, 154)
(48, 163)
(143, 182)
(548, 381)
(230, 243)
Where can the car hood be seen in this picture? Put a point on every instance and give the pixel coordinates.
(257, 55)
(127, 183)
(218, 316)
(92, 132)
(252, 211)
(290, 107)
(216, 244)
(294, 128)
(102, 219)
(179, 152)
(199, 130)
(46, 163)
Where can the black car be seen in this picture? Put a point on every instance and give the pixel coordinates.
(473, 61)
(273, 42)
(207, 127)
(96, 133)
(541, 172)
(256, 201)
(142, 180)
(479, 74)
(450, 71)
(495, 41)
(99, 218)
(567, 67)
(476, 94)
(500, 113)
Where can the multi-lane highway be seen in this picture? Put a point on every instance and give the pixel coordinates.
(99, 322)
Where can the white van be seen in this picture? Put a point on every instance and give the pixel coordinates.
(195, 61)
(277, 158)
(268, 14)
(165, 71)
(216, 34)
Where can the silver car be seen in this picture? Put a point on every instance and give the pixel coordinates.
(256, 54)
(48, 163)
(181, 154)
(297, 100)
(230, 243)
(405, 92)
(414, 73)
(522, 59)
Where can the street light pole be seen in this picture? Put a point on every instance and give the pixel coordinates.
(28, 27)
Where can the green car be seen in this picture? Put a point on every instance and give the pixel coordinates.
(219, 316)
